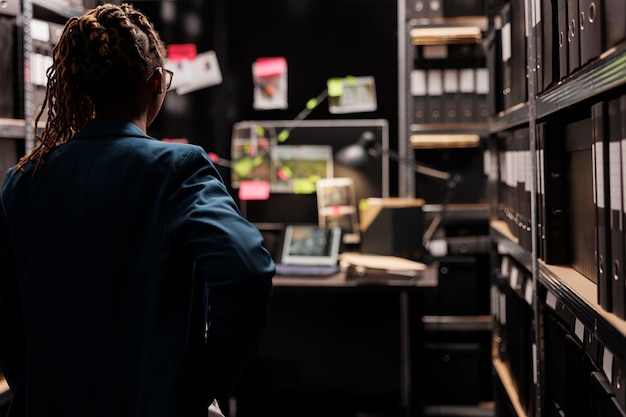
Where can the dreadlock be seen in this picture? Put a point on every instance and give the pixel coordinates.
(100, 59)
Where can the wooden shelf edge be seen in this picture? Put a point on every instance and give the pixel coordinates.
(507, 382)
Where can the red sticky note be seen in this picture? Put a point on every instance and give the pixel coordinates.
(269, 67)
(182, 52)
(254, 190)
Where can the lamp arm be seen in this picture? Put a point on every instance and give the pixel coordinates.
(452, 178)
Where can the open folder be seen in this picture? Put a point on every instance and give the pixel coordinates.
(358, 265)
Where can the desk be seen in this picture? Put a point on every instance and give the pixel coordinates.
(298, 293)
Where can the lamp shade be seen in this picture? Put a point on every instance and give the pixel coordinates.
(358, 154)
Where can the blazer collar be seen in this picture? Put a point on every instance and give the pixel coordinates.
(110, 127)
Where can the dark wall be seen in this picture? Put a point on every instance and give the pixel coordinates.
(320, 39)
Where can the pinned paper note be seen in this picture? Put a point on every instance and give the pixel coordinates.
(270, 83)
(351, 94)
(254, 190)
(194, 74)
(181, 52)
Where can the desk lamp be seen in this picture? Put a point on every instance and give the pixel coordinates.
(359, 154)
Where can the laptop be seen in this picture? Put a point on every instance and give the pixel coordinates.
(309, 250)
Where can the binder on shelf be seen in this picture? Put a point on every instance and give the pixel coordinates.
(418, 92)
(582, 212)
(482, 94)
(601, 394)
(550, 39)
(601, 193)
(494, 66)
(562, 25)
(555, 208)
(618, 381)
(614, 27)
(450, 96)
(416, 9)
(519, 67)
(467, 96)
(616, 209)
(434, 91)
(540, 188)
(591, 30)
(537, 30)
(522, 144)
(506, 56)
(573, 35)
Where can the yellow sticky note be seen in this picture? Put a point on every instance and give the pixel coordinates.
(283, 135)
(335, 87)
(303, 186)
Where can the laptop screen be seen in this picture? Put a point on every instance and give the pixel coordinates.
(310, 245)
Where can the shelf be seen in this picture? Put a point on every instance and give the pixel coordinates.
(579, 294)
(480, 129)
(457, 323)
(597, 77)
(504, 376)
(481, 22)
(12, 128)
(445, 141)
(517, 115)
(508, 244)
(463, 212)
(445, 34)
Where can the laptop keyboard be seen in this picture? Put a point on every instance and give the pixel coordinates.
(306, 270)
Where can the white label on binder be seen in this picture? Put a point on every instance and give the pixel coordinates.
(535, 363)
(579, 330)
(482, 81)
(40, 30)
(506, 42)
(450, 81)
(502, 309)
(418, 82)
(514, 282)
(615, 155)
(504, 266)
(607, 364)
(528, 294)
(435, 83)
(551, 300)
(467, 83)
(599, 178)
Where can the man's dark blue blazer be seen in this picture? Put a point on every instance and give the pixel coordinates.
(130, 285)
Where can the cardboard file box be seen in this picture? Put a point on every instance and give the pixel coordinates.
(392, 226)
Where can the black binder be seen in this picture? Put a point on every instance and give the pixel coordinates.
(556, 201)
(519, 60)
(506, 56)
(540, 188)
(416, 9)
(467, 96)
(616, 219)
(614, 27)
(582, 212)
(450, 96)
(550, 39)
(494, 64)
(434, 99)
(591, 30)
(573, 35)
(537, 30)
(562, 38)
(600, 159)
(418, 92)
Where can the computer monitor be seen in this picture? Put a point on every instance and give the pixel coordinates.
(299, 206)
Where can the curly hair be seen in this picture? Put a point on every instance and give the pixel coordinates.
(100, 59)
